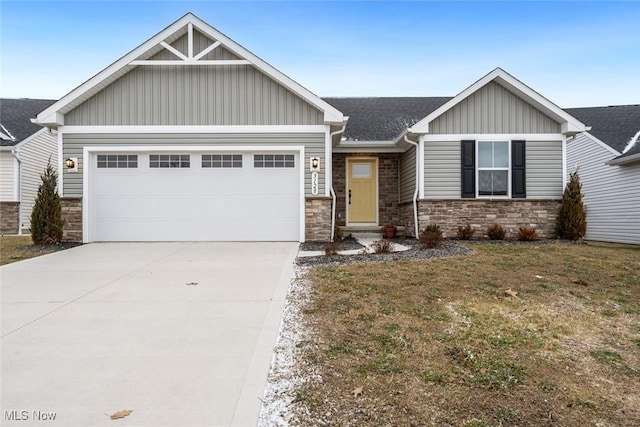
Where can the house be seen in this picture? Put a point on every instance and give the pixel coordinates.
(192, 137)
(25, 149)
(607, 159)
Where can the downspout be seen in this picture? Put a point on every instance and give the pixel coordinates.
(415, 194)
(16, 155)
(332, 191)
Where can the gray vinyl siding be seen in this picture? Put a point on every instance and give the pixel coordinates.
(442, 173)
(314, 144)
(611, 193)
(35, 154)
(544, 170)
(493, 109)
(407, 175)
(195, 95)
(6, 177)
(442, 170)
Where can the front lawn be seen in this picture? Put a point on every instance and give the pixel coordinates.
(17, 248)
(514, 334)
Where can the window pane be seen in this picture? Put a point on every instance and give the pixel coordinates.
(485, 154)
(501, 154)
(492, 183)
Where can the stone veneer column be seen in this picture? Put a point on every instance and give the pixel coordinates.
(9, 217)
(318, 219)
(480, 214)
(72, 216)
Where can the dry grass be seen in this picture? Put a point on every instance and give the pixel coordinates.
(438, 342)
(17, 248)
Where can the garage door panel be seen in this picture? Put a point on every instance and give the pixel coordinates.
(191, 204)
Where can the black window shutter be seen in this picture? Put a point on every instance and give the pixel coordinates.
(468, 169)
(518, 172)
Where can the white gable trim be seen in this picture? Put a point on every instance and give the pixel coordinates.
(600, 143)
(569, 124)
(52, 117)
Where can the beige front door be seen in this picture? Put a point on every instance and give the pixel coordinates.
(362, 190)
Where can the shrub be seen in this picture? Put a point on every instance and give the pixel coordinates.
(431, 237)
(466, 232)
(46, 216)
(527, 234)
(382, 246)
(496, 232)
(571, 222)
(332, 248)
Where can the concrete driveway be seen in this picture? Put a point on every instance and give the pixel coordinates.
(105, 327)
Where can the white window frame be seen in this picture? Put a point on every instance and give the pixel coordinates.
(478, 169)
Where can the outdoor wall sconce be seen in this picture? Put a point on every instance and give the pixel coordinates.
(72, 164)
(314, 164)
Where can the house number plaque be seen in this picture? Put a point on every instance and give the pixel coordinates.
(314, 183)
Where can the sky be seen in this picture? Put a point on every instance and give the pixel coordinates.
(575, 53)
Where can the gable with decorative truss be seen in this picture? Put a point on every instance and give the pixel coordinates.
(190, 74)
(191, 48)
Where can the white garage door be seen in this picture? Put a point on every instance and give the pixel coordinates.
(204, 196)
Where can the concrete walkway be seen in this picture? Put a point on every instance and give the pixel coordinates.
(180, 333)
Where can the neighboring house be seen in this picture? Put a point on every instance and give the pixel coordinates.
(192, 137)
(25, 149)
(607, 158)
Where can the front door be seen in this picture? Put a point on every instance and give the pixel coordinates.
(362, 191)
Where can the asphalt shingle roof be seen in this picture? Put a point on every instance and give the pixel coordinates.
(383, 119)
(15, 115)
(614, 125)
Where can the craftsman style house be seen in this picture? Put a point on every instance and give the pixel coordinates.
(192, 137)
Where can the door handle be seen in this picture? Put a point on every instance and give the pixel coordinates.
(349, 196)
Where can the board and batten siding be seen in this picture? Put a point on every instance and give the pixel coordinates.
(611, 193)
(35, 154)
(493, 109)
(7, 178)
(442, 170)
(544, 170)
(195, 95)
(407, 175)
(73, 144)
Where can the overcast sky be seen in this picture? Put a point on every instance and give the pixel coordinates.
(576, 53)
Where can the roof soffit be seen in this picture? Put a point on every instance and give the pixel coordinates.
(143, 54)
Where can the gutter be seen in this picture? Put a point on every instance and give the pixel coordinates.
(15, 152)
(332, 190)
(415, 194)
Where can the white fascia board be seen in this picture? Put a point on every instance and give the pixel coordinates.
(30, 137)
(624, 160)
(331, 115)
(494, 137)
(569, 122)
(7, 147)
(196, 129)
(602, 144)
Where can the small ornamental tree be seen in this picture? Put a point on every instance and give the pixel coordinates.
(571, 223)
(46, 217)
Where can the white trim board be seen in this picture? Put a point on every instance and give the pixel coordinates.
(493, 136)
(87, 152)
(194, 129)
